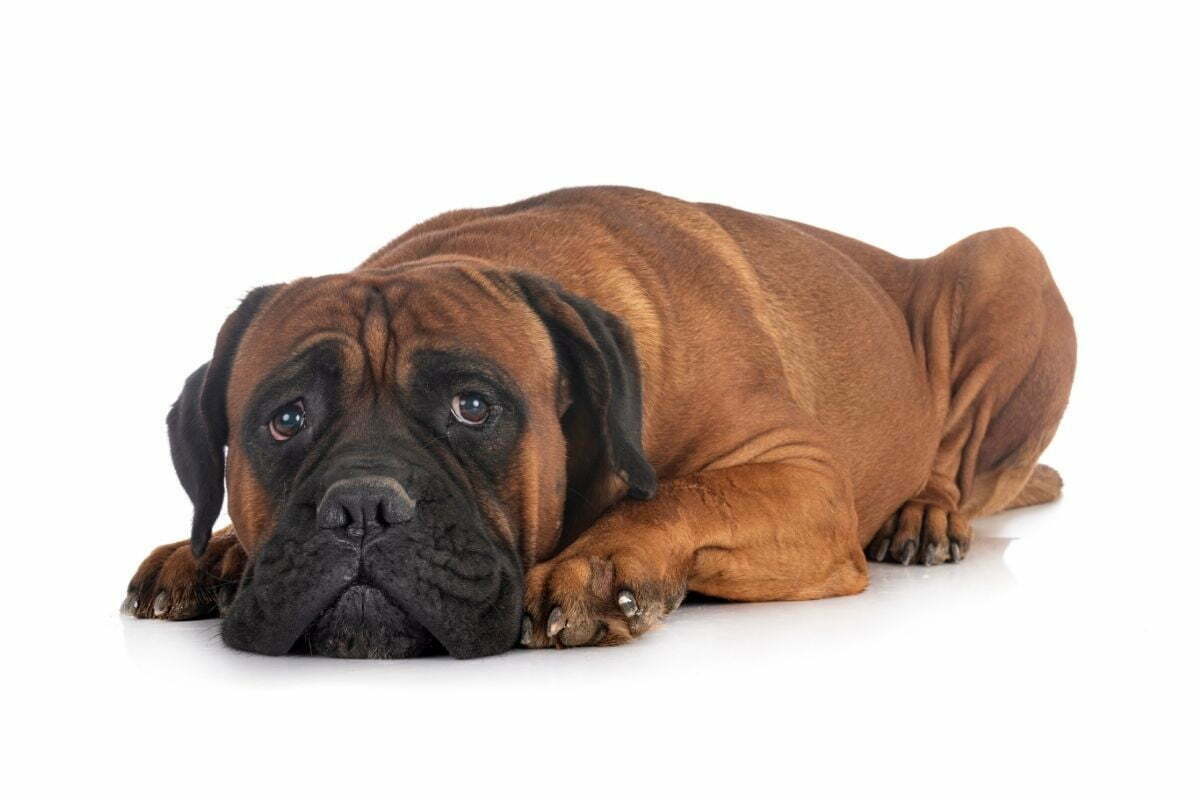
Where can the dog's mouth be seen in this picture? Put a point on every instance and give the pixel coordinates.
(431, 580)
(363, 623)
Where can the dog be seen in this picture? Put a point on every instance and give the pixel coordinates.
(544, 423)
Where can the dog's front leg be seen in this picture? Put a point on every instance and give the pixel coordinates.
(777, 531)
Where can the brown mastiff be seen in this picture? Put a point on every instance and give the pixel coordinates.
(544, 423)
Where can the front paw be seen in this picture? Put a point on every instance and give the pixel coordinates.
(172, 584)
(584, 599)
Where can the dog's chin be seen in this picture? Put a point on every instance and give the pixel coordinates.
(363, 623)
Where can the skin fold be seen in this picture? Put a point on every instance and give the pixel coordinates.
(676, 396)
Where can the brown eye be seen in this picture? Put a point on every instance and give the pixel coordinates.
(287, 421)
(470, 408)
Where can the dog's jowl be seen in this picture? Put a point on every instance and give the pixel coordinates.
(543, 423)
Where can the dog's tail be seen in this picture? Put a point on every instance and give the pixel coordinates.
(1044, 485)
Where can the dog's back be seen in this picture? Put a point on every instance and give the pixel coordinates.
(940, 378)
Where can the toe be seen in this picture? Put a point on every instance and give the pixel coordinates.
(555, 622)
(589, 600)
(935, 544)
(908, 533)
(880, 550)
(587, 631)
(627, 603)
(960, 536)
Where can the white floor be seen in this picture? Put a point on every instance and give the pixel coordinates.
(1051, 660)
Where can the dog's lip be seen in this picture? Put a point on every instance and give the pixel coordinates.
(364, 587)
(362, 593)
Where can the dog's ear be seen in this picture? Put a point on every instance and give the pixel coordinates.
(197, 425)
(596, 353)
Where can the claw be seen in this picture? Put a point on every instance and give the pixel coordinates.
(555, 623)
(526, 631)
(160, 604)
(881, 550)
(910, 550)
(930, 554)
(955, 552)
(627, 604)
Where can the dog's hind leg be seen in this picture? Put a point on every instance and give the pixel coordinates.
(999, 347)
(173, 584)
(1044, 485)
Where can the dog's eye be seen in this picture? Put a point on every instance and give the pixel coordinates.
(470, 408)
(287, 421)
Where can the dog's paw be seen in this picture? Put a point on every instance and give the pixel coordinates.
(922, 533)
(585, 598)
(172, 584)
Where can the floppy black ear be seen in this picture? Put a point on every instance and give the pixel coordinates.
(597, 353)
(197, 425)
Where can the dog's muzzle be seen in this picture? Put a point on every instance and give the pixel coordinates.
(379, 569)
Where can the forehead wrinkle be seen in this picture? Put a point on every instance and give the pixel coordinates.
(297, 310)
(313, 338)
(262, 350)
(340, 306)
(489, 288)
(431, 311)
(435, 305)
(264, 363)
(375, 333)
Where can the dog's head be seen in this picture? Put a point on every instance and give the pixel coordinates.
(400, 445)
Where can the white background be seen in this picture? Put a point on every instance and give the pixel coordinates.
(157, 163)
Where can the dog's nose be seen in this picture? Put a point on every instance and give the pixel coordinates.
(359, 504)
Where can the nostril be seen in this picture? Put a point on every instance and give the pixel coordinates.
(353, 508)
(396, 508)
(332, 515)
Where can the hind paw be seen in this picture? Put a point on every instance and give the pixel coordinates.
(922, 533)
